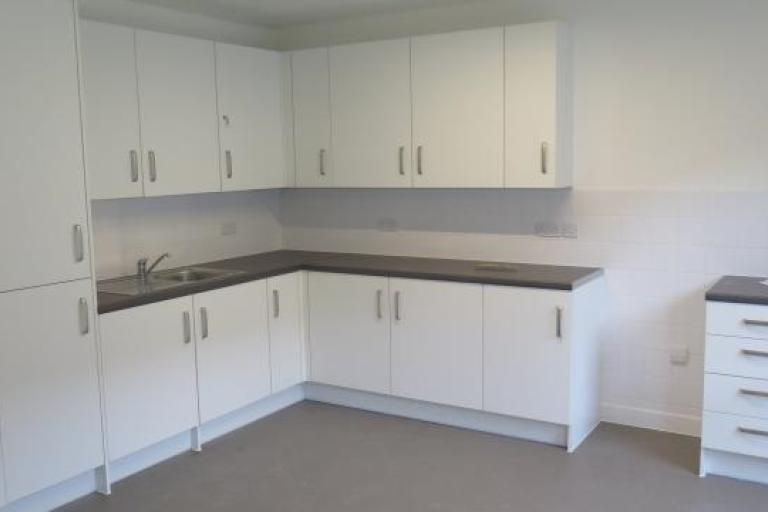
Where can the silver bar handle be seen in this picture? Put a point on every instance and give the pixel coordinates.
(322, 162)
(419, 159)
(544, 158)
(755, 353)
(752, 392)
(379, 294)
(401, 160)
(152, 166)
(84, 316)
(79, 243)
(559, 323)
(754, 432)
(228, 158)
(276, 303)
(397, 306)
(134, 158)
(187, 328)
(203, 322)
(758, 323)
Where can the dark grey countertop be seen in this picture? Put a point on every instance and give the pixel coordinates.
(739, 289)
(259, 266)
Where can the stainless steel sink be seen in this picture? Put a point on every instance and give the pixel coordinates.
(192, 274)
(163, 280)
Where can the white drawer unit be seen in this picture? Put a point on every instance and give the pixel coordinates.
(743, 357)
(740, 320)
(736, 395)
(734, 438)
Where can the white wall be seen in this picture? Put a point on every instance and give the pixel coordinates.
(189, 227)
(161, 19)
(671, 163)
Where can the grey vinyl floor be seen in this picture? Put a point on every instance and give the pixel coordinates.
(313, 457)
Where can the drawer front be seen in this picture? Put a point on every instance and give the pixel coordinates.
(736, 434)
(740, 357)
(742, 320)
(736, 395)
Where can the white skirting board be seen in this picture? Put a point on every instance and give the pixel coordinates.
(446, 415)
(652, 419)
(733, 465)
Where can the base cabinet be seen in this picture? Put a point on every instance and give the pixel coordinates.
(50, 416)
(286, 340)
(349, 331)
(148, 355)
(437, 342)
(232, 348)
(526, 353)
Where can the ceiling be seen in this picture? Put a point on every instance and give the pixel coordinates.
(281, 13)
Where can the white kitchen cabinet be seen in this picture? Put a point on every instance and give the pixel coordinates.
(148, 355)
(232, 348)
(177, 94)
(43, 222)
(111, 111)
(537, 106)
(458, 109)
(252, 117)
(286, 333)
(50, 419)
(437, 341)
(527, 353)
(312, 118)
(349, 336)
(371, 114)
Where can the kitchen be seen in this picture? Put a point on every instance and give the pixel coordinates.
(513, 218)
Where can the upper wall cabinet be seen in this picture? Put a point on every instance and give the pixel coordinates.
(538, 120)
(458, 109)
(312, 118)
(43, 222)
(177, 93)
(252, 118)
(111, 111)
(371, 114)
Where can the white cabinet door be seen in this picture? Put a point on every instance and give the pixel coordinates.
(286, 341)
(527, 353)
(252, 119)
(349, 331)
(148, 354)
(111, 110)
(437, 342)
(49, 393)
(458, 109)
(232, 348)
(537, 124)
(177, 94)
(371, 114)
(312, 118)
(42, 196)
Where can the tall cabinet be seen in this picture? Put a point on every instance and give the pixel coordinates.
(48, 368)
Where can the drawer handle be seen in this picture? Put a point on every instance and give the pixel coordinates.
(751, 392)
(753, 432)
(755, 353)
(757, 323)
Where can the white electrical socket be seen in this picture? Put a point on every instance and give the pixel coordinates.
(680, 356)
